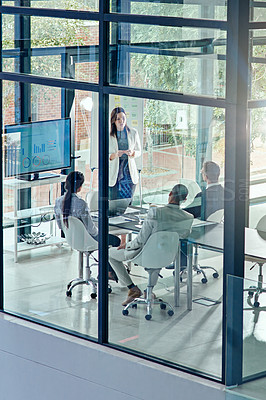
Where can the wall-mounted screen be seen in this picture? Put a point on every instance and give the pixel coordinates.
(35, 147)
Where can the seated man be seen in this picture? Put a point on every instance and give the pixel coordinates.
(212, 198)
(168, 218)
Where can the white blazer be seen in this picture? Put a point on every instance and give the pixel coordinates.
(134, 145)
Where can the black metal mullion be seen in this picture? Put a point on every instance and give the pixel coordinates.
(166, 21)
(257, 103)
(55, 82)
(103, 176)
(1, 189)
(236, 195)
(50, 12)
(165, 96)
(257, 25)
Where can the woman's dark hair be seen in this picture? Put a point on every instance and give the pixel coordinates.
(74, 181)
(113, 130)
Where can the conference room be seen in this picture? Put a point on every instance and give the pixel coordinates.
(42, 262)
(153, 122)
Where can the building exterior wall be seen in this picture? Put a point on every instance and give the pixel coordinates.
(41, 363)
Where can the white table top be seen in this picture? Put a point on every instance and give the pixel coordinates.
(15, 183)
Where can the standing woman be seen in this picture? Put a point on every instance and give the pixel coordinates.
(124, 147)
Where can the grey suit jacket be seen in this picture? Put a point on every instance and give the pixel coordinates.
(168, 218)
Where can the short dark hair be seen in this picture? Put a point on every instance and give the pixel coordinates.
(211, 170)
(179, 193)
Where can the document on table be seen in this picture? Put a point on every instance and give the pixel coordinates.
(117, 220)
(198, 222)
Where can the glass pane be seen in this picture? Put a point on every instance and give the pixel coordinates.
(58, 48)
(84, 5)
(254, 338)
(188, 9)
(168, 58)
(155, 161)
(258, 66)
(258, 12)
(257, 166)
(251, 301)
(38, 260)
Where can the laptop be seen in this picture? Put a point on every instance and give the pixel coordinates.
(118, 206)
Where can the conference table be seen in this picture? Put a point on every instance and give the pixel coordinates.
(204, 234)
(210, 236)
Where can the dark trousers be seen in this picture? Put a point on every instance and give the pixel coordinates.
(113, 241)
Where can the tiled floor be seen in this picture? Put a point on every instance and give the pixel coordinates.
(36, 285)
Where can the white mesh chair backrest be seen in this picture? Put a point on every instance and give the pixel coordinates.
(193, 189)
(261, 225)
(217, 216)
(159, 251)
(92, 200)
(78, 237)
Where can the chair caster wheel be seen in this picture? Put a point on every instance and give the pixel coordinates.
(215, 275)
(148, 317)
(256, 304)
(68, 293)
(93, 295)
(198, 272)
(204, 280)
(125, 312)
(163, 306)
(170, 313)
(134, 305)
(109, 290)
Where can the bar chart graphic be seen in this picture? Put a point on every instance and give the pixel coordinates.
(39, 149)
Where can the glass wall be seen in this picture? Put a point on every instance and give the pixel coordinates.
(169, 58)
(39, 261)
(53, 47)
(166, 160)
(159, 106)
(87, 5)
(257, 207)
(188, 9)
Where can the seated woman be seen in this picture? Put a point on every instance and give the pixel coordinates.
(71, 204)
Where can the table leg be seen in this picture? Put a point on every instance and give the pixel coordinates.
(15, 225)
(177, 278)
(129, 238)
(189, 276)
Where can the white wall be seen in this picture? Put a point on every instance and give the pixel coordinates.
(37, 363)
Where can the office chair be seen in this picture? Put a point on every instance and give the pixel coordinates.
(79, 239)
(193, 189)
(217, 217)
(159, 251)
(92, 200)
(257, 290)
